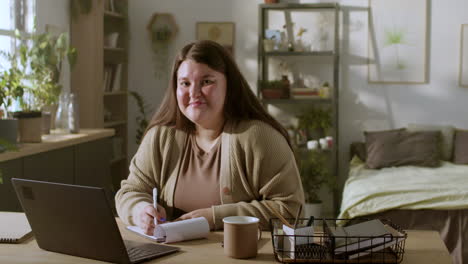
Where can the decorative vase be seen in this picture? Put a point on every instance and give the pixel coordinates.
(268, 45)
(313, 209)
(52, 109)
(61, 118)
(73, 114)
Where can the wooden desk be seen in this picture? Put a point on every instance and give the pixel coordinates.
(421, 247)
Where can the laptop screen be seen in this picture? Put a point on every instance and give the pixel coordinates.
(72, 219)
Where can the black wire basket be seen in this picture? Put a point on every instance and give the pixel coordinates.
(315, 244)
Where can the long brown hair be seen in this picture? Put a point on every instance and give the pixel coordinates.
(240, 103)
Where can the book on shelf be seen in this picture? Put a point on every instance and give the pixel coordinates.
(295, 96)
(117, 78)
(361, 239)
(104, 82)
(304, 93)
(108, 74)
(109, 5)
(111, 40)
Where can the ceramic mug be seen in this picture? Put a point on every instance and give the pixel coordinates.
(241, 236)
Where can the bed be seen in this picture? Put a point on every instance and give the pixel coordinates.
(414, 198)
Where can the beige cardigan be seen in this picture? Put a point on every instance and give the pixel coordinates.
(257, 167)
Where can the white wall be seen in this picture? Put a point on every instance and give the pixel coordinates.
(57, 14)
(440, 101)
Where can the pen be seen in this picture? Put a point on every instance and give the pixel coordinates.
(155, 203)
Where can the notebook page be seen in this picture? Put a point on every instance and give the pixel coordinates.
(177, 231)
(14, 227)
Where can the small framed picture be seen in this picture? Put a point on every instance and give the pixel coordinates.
(220, 32)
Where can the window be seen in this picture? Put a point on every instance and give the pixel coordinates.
(14, 14)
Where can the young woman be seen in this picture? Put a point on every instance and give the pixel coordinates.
(211, 150)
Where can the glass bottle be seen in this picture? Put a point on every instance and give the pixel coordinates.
(73, 114)
(61, 118)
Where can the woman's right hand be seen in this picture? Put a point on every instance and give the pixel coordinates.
(147, 216)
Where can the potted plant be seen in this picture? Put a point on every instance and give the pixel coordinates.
(315, 173)
(45, 57)
(16, 86)
(33, 79)
(274, 89)
(11, 87)
(315, 122)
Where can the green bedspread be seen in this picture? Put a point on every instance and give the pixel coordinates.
(370, 191)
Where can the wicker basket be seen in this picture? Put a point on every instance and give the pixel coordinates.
(318, 248)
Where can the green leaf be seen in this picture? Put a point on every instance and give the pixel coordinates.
(72, 56)
(394, 37)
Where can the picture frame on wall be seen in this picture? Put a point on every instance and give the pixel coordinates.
(463, 76)
(220, 32)
(398, 40)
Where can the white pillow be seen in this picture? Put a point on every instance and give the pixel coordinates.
(447, 137)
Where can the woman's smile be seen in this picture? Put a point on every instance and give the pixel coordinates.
(197, 103)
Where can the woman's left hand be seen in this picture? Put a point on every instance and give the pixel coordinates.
(205, 212)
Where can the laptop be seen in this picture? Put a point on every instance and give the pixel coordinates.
(78, 220)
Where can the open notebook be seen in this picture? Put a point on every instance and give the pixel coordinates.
(171, 232)
(14, 227)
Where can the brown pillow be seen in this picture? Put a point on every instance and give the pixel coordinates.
(460, 147)
(401, 148)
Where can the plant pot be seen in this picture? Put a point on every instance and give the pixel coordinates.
(29, 126)
(313, 209)
(9, 130)
(272, 93)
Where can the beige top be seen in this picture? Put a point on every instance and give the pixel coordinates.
(198, 183)
(257, 168)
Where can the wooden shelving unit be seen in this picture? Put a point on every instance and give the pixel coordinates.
(102, 92)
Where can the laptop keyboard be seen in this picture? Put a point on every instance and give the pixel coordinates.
(147, 251)
(141, 252)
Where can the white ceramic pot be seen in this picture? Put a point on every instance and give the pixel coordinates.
(268, 45)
